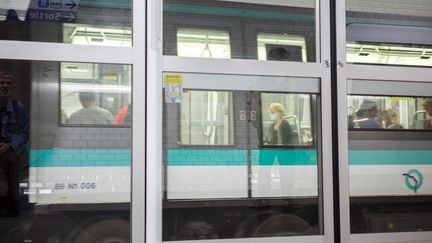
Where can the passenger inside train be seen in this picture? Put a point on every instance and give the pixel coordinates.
(388, 112)
(123, 116)
(90, 112)
(367, 115)
(280, 130)
(392, 120)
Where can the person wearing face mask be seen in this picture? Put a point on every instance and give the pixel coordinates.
(280, 129)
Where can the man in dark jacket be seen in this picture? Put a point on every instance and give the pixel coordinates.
(14, 127)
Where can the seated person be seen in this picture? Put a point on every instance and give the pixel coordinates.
(391, 119)
(427, 105)
(280, 130)
(90, 114)
(121, 115)
(366, 115)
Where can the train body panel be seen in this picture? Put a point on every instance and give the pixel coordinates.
(284, 181)
(373, 173)
(389, 180)
(204, 182)
(76, 185)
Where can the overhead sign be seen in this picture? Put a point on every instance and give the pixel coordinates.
(64, 11)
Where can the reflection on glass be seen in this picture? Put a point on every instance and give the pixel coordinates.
(207, 118)
(81, 22)
(79, 175)
(286, 119)
(388, 112)
(14, 138)
(203, 43)
(241, 29)
(95, 94)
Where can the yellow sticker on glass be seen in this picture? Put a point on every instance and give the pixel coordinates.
(173, 88)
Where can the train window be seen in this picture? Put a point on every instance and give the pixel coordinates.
(389, 33)
(219, 180)
(90, 35)
(203, 43)
(79, 176)
(206, 118)
(95, 94)
(241, 29)
(389, 54)
(286, 119)
(294, 47)
(389, 112)
(67, 21)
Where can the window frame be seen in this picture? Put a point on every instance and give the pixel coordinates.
(59, 122)
(386, 129)
(204, 146)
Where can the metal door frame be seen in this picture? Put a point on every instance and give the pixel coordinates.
(157, 64)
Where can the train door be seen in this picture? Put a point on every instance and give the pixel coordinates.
(243, 147)
(228, 149)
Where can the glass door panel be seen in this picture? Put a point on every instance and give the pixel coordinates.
(389, 156)
(241, 163)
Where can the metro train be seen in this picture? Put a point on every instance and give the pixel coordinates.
(222, 178)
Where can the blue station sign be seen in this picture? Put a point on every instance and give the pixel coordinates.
(64, 11)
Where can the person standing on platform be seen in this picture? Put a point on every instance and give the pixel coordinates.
(14, 127)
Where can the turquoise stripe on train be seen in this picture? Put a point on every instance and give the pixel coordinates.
(185, 157)
(390, 157)
(80, 158)
(203, 157)
(284, 157)
(206, 157)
